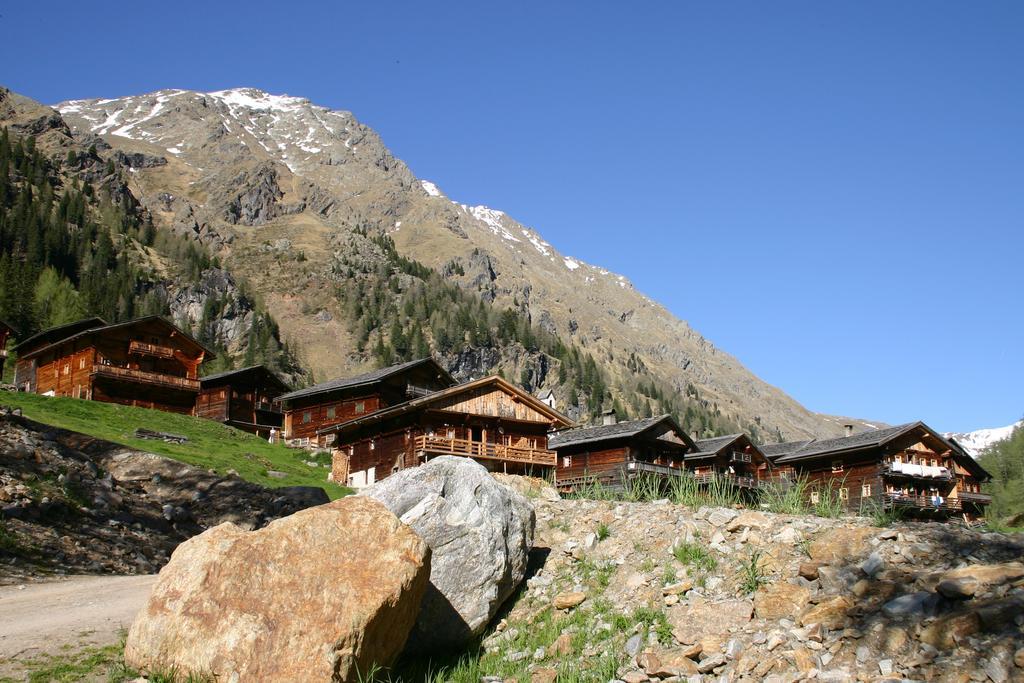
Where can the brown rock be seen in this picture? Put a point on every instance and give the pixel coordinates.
(1018, 658)
(958, 589)
(635, 677)
(568, 600)
(755, 520)
(649, 662)
(562, 645)
(673, 663)
(841, 544)
(544, 675)
(780, 601)
(861, 588)
(678, 588)
(831, 612)
(944, 633)
(700, 617)
(809, 570)
(804, 659)
(315, 597)
(987, 574)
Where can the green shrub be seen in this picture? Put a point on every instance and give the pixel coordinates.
(694, 555)
(752, 573)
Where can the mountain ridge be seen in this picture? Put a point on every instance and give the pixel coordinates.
(267, 179)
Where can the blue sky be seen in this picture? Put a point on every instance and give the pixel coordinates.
(832, 192)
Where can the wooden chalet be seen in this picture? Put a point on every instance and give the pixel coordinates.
(909, 467)
(6, 334)
(614, 452)
(244, 398)
(146, 362)
(732, 459)
(488, 420)
(310, 411)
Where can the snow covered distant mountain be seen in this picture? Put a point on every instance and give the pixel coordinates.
(977, 441)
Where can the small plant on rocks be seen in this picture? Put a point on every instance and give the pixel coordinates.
(694, 555)
(751, 573)
(603, 531)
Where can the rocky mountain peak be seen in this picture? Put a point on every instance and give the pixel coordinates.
(248, 168)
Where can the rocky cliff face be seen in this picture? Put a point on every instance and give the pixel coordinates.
(246, 170)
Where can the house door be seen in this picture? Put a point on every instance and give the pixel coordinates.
(476, 434)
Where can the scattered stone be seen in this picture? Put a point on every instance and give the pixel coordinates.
(958, 589)
(780, 601)
(885, 667)
(721, 516)
(633, 645)
(944, 633)
(911, 605)
(544, 675)
(831, 612)
(711, 663)
(568, 600)
(809, 570)
(840, 544)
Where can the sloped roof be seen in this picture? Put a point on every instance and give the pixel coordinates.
(717, 443)
(871, 439)
(425, 401)
(57, 335)
(777, 450)
(366, 378)
(218, 377)
(58, 332)
(619, 430)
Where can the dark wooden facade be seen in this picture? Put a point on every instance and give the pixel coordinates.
(732, 459)
(308, 412)
(245, 398)
(488, 420)
(910, 467)
(146, 362)
(614, 452)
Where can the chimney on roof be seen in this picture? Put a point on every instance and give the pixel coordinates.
(609, 417)
(847, 430)
(696, 435)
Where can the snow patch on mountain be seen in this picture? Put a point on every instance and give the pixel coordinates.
(977, 441)
(431, 189)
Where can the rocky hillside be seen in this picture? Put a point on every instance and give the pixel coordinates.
(640, 591)
(71, 504)
(284, 191)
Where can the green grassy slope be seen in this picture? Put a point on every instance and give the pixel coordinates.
(210, 445)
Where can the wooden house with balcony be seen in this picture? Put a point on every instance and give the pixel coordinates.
(910, 467)
(146, 362)
(246, 398)
(613, 453)
(309, 412)
(733, 460)
(489, 420)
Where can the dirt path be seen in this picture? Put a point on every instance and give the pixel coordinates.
(83, 610)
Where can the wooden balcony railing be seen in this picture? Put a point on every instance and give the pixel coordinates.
(901, 500)
(973, 497)
(732, 479)
(144, 377)
(150, 349)
(438, 445)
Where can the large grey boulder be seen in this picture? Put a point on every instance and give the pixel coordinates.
(480, 533)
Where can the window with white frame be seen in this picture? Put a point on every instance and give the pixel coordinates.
(865, 490)
(844, 494)
(815, 497)
(566, 461)
(837, 466)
